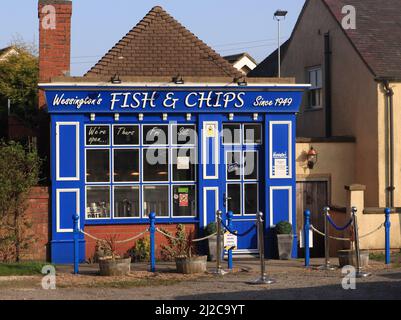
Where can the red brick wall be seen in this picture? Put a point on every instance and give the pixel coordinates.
(126, 232)
(54, 44)
(38, 212)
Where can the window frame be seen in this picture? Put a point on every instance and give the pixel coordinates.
(125, 125)
(140, 202)
(172, 202)
(86, 166)
(98, 125)
(110, 202)
(315, 87)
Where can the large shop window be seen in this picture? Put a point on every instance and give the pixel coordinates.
(242, 147)
(132, 170)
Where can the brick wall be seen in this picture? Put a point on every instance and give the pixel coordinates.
(54, 40)
(38, 213)
(125, 232)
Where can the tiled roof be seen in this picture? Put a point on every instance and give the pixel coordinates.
(160, 46)
(269, 66)
(377, 36)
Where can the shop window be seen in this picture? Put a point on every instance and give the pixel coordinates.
(184, 134)
(126, 165)
(98, 135)
(126, 202)
(155, 134)
(231, 133)
(184, 164)
(252, 133)
(233, 165)
(97, 202)
(155, 165)
(184, 201)
(250, 165)
(126, 135)
(234, 197)
(315, 91)
(97, 165)
(156, 199)
(251, 198)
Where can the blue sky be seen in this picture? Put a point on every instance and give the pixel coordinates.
(229, 26)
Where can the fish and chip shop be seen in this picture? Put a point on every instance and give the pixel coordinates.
(121, 151)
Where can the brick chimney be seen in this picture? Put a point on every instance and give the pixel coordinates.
(54, 40)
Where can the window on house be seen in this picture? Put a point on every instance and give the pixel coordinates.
(315, 92)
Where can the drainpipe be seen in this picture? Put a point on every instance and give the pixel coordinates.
(327, 81)
(389, 94)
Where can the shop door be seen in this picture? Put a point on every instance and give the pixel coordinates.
(241, 179)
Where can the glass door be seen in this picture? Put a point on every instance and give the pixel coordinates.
(242, 147)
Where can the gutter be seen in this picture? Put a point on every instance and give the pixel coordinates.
(327, 68)
(389, 98)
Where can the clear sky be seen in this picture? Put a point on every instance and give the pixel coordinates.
(229, 26)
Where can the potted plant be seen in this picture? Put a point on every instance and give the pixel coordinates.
(285, 239)
(181, 248)
(211, 228)
(110, 262)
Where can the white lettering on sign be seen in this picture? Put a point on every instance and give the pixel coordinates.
(77, 102)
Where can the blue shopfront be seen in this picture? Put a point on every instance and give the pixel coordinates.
(121, 151)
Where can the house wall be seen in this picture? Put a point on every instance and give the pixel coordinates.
(335, 165)
(354, 94)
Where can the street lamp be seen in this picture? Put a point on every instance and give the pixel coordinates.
(279, 15)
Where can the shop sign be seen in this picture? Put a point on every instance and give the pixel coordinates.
(230, 241)
(213, 100)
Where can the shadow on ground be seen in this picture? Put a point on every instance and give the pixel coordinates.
(363, 291)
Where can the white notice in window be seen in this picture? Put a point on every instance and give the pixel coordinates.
(183, 163)
(280, 169)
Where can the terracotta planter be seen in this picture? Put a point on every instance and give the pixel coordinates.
(114, 267)
(284, 243)
(191, 265)
(348, 258)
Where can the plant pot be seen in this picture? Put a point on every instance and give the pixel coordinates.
(212, 246)
(348, 258)
(114, 267)
(284, 244)
(191, 265)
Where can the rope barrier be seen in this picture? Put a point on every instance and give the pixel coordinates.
(235, 232)
(331, 237)
(337, 227)
(178, 239)
(119, 241)
(372, 232)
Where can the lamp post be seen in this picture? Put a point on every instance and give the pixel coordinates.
(279, 15)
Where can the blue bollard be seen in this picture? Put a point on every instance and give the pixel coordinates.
(75, 219)
(230, 252)
(387, 225)
(306, 237)
(152, 230)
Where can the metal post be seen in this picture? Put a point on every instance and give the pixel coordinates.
(306, 237)
(279, 50)
(152, 230)
(359, 273)
(387, 225)
(75, 219)
(261, 244)
(230, 251)
(327, 265)
(218, 270)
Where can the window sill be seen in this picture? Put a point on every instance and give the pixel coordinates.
(142, 221)
(312, 109)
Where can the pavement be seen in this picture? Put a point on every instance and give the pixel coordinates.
(292, 281)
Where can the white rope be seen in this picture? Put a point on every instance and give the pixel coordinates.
(178, 239)
(120, 241)
(372, 232)
(331, 237)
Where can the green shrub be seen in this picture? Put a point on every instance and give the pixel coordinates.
(283, 227)
(141, 250)
(210, 228)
